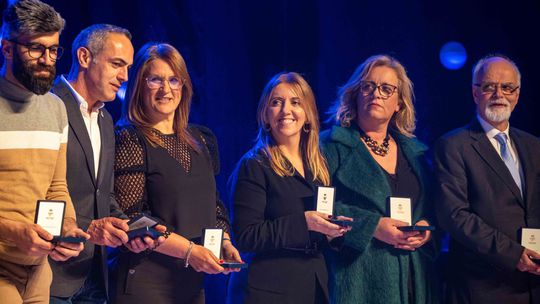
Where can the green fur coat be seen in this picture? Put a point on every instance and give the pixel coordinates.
(367, 270)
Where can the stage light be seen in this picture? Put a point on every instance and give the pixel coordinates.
(453, 55)
(121, 94)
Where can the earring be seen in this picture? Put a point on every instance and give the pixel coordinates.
(267, 127)
(306, 127)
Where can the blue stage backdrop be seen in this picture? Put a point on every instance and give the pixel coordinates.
(233, 47)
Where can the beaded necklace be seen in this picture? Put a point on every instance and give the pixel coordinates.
(382, 149)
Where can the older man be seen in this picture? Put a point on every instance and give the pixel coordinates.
(489, 176)
(33, 138)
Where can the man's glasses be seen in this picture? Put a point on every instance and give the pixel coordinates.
(490, 87)
(385, 90)
(155, 82)
(36, 50)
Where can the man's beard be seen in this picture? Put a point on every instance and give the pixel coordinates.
(498, 115)
(24, 73)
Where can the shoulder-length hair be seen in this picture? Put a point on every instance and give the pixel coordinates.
(309, 140)
(344, 109)
(133, 111)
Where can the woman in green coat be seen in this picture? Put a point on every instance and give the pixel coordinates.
(373, 155)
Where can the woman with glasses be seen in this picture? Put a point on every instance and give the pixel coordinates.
(373, 155)
(273, 188)
(165, 168)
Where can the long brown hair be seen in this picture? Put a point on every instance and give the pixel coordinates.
(309, 141)
(133, 107)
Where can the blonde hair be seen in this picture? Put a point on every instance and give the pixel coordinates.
(133, 107)
(309, 140)
(344, 109)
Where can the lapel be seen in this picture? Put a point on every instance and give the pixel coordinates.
(76, 123)
(526, 165)
(484, 148)
(103, 135)
(359, 171)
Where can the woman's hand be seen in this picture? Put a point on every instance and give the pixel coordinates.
(387, 232)
(203, 260)
(230, 254)
(419, 240)
(317, 221)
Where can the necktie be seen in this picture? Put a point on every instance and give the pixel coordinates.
(509, 161)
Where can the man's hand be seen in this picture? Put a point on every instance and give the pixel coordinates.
(64, 251)
(31, 239)
(526, 264)
(108, 231)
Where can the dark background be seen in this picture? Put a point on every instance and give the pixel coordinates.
(232, 48)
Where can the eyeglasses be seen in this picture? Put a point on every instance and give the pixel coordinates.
(490, 87)
(36, 50)
(155, 82)
(385, 90)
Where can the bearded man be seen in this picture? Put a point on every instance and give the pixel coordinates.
(489, 189)
(33, 141)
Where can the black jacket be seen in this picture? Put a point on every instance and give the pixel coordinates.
(92, 198)
(269, 221)
(480, 206)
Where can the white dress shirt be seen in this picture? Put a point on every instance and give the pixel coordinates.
(91, 122)
(491, 132)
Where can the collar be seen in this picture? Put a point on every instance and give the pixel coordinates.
(14, 92)
(490, 130)
(83, 104)
(350, 136)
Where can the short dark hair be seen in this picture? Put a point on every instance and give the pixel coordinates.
(93, 38)
(30, 17)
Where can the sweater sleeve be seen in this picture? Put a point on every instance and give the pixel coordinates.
(58, 189)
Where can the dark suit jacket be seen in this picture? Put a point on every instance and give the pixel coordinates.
(92, 198)
(269, 221)
(480, 206)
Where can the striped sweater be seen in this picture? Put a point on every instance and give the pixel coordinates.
(33, 142)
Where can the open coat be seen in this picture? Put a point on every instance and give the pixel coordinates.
(367, 270)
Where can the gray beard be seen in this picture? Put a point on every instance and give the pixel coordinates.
(498, 115)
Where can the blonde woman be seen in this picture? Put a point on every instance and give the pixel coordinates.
(272, 190)
(372, 155)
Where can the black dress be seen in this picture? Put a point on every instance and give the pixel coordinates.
(404, 183)
(269, 222)
(175, 184)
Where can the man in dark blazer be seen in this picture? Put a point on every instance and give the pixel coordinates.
(489, 188)
(101, 57)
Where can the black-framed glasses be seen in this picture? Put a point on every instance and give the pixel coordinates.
(385, 90)
(36, 50)
(491, 87)
(156, 82)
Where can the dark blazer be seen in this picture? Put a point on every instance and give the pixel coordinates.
(480, 206)
(92, 198)
(367, 270)
(269, 221)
